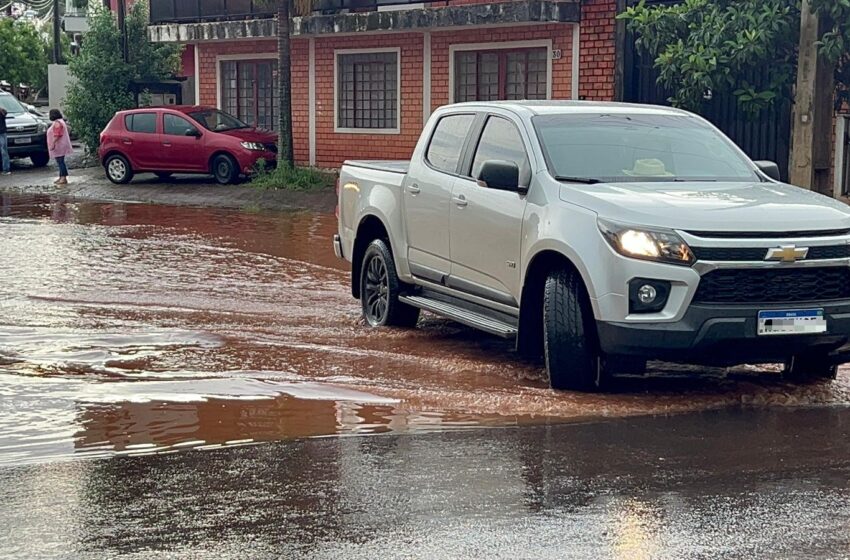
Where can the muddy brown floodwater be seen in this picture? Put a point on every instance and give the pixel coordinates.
(135, 329)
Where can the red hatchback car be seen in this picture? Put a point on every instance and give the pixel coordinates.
(182, 139)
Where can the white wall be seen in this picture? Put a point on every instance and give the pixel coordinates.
(58, 79)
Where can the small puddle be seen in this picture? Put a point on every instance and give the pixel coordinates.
(133, 328)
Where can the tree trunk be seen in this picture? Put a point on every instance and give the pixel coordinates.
(284, 149)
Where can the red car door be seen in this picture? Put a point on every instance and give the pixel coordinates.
(141, 141)
(182, 145)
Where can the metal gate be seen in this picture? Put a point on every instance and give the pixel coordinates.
(765, 135)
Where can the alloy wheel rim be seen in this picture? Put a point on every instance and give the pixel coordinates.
(223, 169)
(116, 169)
(377, 290)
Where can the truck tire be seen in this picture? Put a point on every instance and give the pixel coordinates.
(39, 160)
(570, 343)
(809, 367)
(380, 288)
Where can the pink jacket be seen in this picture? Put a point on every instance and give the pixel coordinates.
(58, 141)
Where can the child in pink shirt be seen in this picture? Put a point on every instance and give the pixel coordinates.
(59, 144)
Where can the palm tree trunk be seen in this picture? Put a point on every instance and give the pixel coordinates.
(285, 153)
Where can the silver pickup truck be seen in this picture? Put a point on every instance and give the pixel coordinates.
(600, 236)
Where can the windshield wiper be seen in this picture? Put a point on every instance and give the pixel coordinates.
(583, 180)
(694, 180)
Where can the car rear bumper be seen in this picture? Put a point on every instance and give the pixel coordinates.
(724, 335)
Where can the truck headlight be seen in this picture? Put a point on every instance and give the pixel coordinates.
(42, 128)
(255, 146)
(649, 244)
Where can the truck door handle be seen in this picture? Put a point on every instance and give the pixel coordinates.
(166, 143)
(460, 200)
(414, 189)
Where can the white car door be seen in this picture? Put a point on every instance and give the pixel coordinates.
(486, 224)
(427, 198)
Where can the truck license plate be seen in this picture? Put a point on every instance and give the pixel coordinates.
(24, 140)
(801, 321)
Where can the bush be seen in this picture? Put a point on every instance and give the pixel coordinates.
(292, 178)
(103, 81)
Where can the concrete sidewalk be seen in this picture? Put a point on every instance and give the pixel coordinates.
(90, 183)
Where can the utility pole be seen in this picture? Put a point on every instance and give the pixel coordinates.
(57, 34)
(811, 130)
(122, 28)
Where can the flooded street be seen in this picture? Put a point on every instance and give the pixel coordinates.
(146, 353)
(136, 329)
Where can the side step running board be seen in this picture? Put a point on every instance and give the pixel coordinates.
(464, 316)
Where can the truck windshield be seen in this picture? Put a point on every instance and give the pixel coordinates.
(612, 148)
(217, 121)
(11, 105)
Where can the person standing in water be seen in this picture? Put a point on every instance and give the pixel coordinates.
(59, 144)
(4, 143)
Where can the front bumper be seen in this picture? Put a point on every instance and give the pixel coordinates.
(248, 160)
(37, 145)
(723, 335)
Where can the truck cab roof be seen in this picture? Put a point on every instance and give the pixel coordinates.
(552, 107)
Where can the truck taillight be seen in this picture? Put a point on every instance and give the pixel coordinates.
(336, 210)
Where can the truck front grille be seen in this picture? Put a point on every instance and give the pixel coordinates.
(23, 129)
(774, 285)
(759, 253)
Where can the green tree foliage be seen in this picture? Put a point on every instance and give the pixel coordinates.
(103, 81)
(23, 54)
(714, 45)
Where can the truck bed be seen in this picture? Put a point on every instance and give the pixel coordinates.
(390, 166)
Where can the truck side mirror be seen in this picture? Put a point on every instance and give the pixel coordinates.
(770, 169)
(500, 175)
(194, 132)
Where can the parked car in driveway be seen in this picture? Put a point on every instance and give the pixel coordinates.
(182, 139)
(600, 236)
(26, 132)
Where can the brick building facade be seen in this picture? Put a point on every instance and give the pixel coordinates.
(363, 84)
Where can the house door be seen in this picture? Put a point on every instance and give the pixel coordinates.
(249, 91)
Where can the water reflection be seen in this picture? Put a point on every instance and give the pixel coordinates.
(606, 490)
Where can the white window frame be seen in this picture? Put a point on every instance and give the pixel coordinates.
(343, 130)
(461, 47)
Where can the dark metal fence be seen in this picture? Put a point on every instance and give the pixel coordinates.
(178, 11)
(765, 135)
(167, 11)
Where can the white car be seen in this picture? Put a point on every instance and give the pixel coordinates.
(600, 235)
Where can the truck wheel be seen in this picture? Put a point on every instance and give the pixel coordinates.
(39, 160)
(569, 334)
(380, 288)
(809, 367)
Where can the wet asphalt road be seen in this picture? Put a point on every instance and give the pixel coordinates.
(198, 383)
(723, 484)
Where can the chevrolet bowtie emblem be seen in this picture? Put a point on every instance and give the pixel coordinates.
(786, 253)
